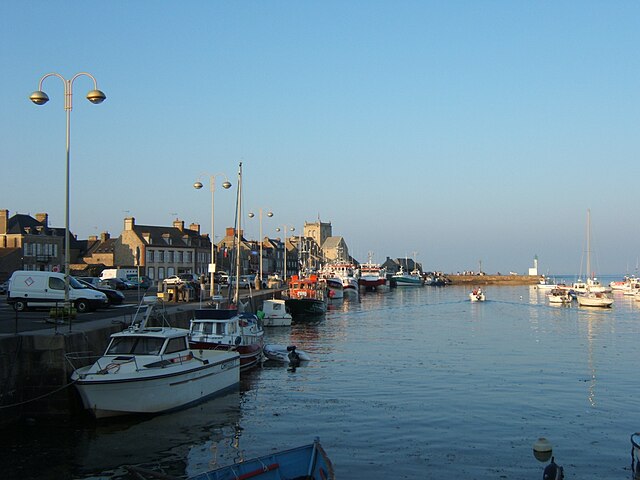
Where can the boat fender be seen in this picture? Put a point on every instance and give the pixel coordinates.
(238, 340)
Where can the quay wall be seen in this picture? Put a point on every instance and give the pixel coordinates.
(35, 373)
(493, 279)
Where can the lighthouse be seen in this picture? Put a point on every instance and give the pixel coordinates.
(533, 272)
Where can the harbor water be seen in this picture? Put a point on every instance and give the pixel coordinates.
(414, 383)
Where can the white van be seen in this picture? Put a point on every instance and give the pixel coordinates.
(30, 289)
(121, 273)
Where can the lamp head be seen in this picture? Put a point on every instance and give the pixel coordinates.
(39, 97)
(96, 96)
(293, 229)
(197, 185)
(226, 185)
(251, 215)
(269, 214)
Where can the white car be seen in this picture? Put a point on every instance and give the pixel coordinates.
(173, 280)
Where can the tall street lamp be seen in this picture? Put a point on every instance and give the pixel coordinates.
(40, 98)
(284, 229)
(251, 215)
(212, 266)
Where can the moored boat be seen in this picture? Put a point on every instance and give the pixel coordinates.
(229, 330)
(285, 353)
(559, 296)
(403, 279)
(372, 276)
(152, 370)
(275, 313)
(306, 296)
(308, 462)
(335, 288)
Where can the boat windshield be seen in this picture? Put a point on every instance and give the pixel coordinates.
(135, 346)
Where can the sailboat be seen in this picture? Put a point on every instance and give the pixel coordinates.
(592, 298)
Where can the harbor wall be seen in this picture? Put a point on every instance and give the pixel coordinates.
(493, 279)
(35, 373)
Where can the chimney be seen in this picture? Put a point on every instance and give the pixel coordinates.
(179, 224)
(104, 236)
(93, 238)
(195, 227)
(4, 220)
(230, 232)
(129, 223)
(43, 218)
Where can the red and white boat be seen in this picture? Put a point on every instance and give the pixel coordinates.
(346, 273)
(372, 276)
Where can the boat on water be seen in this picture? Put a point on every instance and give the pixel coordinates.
(594, 295)
(335, 288)
(152, 370)
(305, 462)
(346, 273)
(275, 313)
(228, 330)
(403, 279)
(477, 295)
(559, 296)
(547, 283)
(285, 353)
(372, 275)
(306, 296)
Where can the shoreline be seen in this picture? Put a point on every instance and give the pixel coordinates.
(493, 279)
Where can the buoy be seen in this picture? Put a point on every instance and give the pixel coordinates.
(542, 449)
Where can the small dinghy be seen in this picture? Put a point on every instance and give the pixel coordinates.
(285, 354)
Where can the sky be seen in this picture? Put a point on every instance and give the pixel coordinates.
(463, 134)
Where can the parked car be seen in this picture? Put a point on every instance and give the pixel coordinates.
(4, 286)
(114, 283)
(173, 280)
(141, 281)
(94, 281)
(246, 281)
(115, 297)
(221, 278)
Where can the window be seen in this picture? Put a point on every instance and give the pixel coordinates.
(150, 256)
(170, 256)
(171, 271)
(161, 256)
(56, 283)
(160, 273)
(176, 345)
(179, 259)
(151, 273)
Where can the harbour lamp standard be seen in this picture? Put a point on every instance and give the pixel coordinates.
(40, 98)
(251, 215)
(284, 229)
(212, 266)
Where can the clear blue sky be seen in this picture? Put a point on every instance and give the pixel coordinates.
(464, 131)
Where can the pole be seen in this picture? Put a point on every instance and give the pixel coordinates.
(212, 276)
(260, 248)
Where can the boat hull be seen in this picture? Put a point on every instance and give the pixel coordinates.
(160, 390)
(306, 306)
(250, 355)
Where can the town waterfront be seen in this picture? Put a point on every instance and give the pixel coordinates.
(412, 383)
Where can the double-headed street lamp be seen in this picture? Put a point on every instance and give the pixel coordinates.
(40, 98)
(284, 229)
(251, 215)
(212, 266)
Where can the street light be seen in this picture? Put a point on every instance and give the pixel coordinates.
(251, 215)
(40, 98)
(284, 229)
(212, 266)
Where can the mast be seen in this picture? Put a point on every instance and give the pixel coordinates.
(236, 293)
(588, 243)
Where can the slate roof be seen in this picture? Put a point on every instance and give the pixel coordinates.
(158, 235)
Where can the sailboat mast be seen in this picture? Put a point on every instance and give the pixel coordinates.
(236, 293)
(588, 243)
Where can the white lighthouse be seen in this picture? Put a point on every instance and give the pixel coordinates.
(533, 272)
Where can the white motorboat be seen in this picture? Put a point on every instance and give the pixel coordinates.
(152, 370)
(477, 295)
(559, 296)
(285, 353)
(346, 273)
(547, 283)
(275, 313)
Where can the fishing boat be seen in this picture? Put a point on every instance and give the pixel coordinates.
(335, 288)
(152, 370)
(306, 296)
(372, 275)
(559, 296)
(592, 296)
(346, 273)
(229, 330)
(477, 295)
(275, 313)
(285, 354)
(403, 279)
(547, 283)
(308, 462)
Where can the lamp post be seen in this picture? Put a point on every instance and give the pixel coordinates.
(284, 229)
(212, 266)
(40, 98)
(251, 215)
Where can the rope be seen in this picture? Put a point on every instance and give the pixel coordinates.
(37, 398)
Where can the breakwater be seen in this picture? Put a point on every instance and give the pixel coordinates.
(511, 280)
